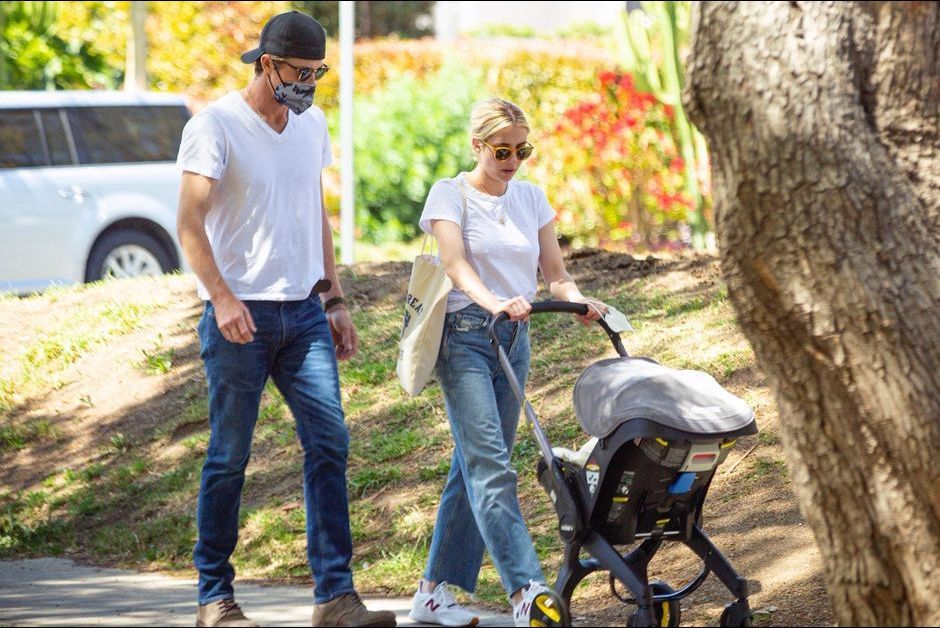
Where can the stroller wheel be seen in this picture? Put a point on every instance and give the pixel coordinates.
(548, 609)
(666, 613)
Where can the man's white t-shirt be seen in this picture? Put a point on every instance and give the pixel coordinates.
(265, 221)
(500, 234)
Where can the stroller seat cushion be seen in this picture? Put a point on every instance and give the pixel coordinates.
(613, 391)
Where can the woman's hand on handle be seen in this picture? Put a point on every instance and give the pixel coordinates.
(516, 308)
(596, 309)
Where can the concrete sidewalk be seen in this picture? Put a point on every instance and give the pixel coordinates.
(58, 592)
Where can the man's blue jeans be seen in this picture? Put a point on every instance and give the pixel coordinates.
(292, 345)
(480, 506)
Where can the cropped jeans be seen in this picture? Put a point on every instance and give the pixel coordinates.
(479, 506)
(293, 345)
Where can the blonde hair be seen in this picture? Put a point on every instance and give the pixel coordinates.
(492, 116)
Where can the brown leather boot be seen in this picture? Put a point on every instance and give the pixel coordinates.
(222, 613)
(348, 610)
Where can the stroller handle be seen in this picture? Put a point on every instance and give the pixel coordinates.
(570, 524)
(543, 307)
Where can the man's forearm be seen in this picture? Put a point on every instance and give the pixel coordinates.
(329, 257)
(198, 253)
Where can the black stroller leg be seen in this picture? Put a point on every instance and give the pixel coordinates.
(573, 571)
(716, 562)
(631, 572)
(738, 613)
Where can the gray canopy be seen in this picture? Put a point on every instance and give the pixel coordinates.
(615, 390)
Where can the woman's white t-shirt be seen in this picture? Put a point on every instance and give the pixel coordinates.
(265, 218)
(500, 234)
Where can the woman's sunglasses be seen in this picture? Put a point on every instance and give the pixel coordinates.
(502, 153)
(304, 73)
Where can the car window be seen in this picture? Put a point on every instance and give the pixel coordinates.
(21, 143)
(127, 134)
(58, 143)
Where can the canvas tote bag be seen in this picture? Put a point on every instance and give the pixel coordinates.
(425, 309)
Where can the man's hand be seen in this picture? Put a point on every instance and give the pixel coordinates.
(344, 333)
(234, 320)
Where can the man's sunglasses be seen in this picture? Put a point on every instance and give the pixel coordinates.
(502, 153)
(304, 73)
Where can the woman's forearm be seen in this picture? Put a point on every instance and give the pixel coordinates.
(466, 279)
(564, 288)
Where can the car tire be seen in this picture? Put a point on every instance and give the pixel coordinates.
(127, 253)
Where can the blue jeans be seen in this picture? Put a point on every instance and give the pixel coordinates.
(293, 345)
(479, 507)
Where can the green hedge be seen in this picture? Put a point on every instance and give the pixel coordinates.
(407, 136)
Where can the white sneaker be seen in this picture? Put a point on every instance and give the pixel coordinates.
(540, 606)
(440, 608)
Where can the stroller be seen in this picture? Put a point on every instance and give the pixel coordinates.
(658, 434)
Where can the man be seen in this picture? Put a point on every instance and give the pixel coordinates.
(253, 228)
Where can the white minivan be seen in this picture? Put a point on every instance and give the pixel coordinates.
(88, 186)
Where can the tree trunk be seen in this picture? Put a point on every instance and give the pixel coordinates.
(822, 122)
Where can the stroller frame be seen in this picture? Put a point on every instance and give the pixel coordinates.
(657, 603)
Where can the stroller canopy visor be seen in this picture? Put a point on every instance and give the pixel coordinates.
(612, 391)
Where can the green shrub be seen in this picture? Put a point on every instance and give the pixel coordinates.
(34, 55)
(407, 136)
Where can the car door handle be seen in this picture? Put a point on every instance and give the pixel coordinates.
(74, 193)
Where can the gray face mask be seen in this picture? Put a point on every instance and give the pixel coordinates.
(298, 97)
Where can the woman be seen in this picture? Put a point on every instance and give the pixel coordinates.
(494, 234)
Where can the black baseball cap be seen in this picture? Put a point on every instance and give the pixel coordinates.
(290, 34)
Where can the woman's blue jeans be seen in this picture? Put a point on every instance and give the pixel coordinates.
(480, 507)
(294, 347)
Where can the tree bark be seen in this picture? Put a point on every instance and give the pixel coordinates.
(822, 122)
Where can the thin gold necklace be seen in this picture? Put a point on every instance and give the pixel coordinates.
(500, 210)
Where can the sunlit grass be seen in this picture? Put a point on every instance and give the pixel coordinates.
(81, 329)
(19, 436)
(388, 252)
(157, 360)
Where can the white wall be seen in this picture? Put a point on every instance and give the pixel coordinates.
(452, 18)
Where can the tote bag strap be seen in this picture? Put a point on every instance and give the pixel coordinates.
(463, 217)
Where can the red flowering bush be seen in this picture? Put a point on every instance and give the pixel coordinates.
(604, 150)
(611, 169)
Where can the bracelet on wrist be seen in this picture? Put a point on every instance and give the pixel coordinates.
(329, 304)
